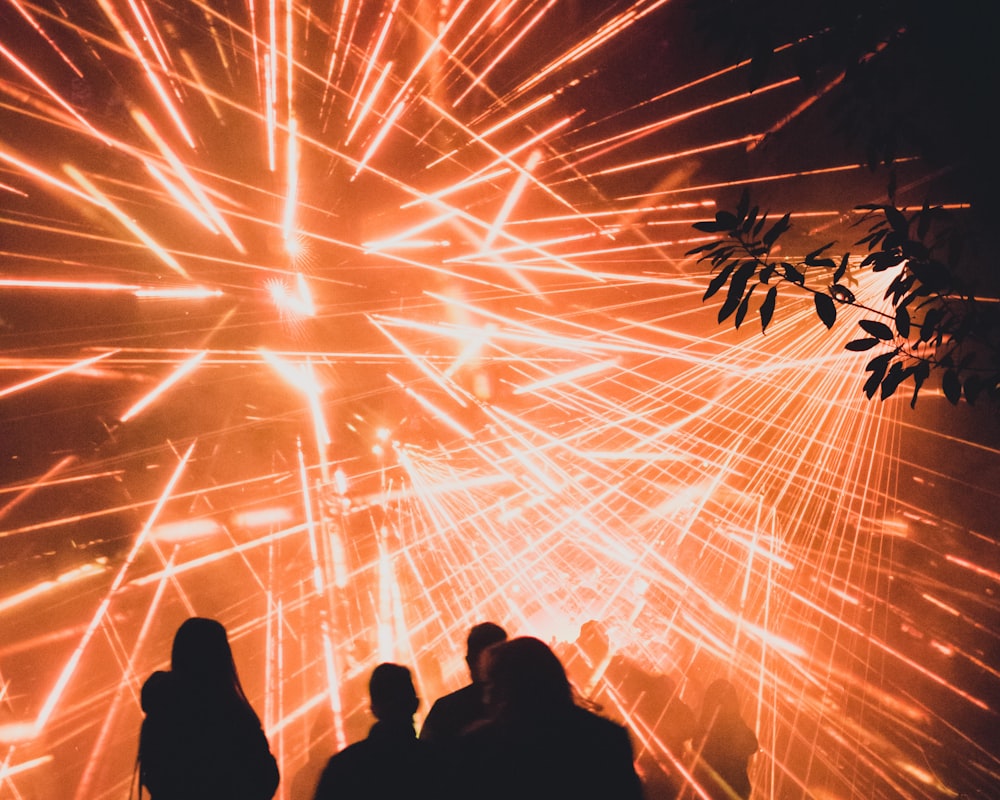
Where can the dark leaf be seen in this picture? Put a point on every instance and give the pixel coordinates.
(702, 248)
(813, 259)
(760, 225)
(897, 220)
(882, 260)
(932, 274)
(720, 255)
(930, 323)
(860, 345)
(877, 367)
(792, 274)
(712, 226)
(825, 308)
(952, 386)
(973, 386)
(767, 308)
(744, 306)
(891, 381)
(877, 329)
(838, 276)
(903, 322)
(736, 288)
(920, 374)
(717, 282)
(727, 220)
(776, 230)
(923, 221)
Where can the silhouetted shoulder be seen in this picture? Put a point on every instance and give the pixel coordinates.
(577, 755)
(452, 713)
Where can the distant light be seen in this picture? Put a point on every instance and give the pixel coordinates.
(340, 481)
(263, 517)
(185, 530)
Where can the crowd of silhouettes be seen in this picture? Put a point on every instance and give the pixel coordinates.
(521, 729)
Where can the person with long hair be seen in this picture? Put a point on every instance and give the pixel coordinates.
(723, 744)
(537, 742)
(201, 738)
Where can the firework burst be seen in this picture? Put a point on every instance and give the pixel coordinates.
(352, 324)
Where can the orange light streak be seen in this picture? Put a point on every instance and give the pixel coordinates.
(423, 366)
(307, 504)
(511, 200)
(432, 409)
(75, 366)
(631, 136)
(371, 59)
(44, 34)
(608, 31)
(127, 222)
(567, 377)
(45, 480)
(70, 667)
(377, 141)
(482, 74)
(503, 123)
(188, 180)
(370, 99)
(151, 75)
(182, 371)
(292, 191)
(51, 93)
(43, 587)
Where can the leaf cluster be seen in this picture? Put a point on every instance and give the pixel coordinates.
(934, 324)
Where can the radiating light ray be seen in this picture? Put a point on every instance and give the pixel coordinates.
(607, 145)
(424, 367)
(20, 65)
(50, 375)
(55, 695)
(217, 221)
(371, 60)
(483, 74)
(151, 75)
(614, 27)
(386, 129)
(43, 587)
(104, 202)
(434, 410)
(182, 371)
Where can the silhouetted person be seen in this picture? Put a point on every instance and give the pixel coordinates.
(201, 738)
(537, 743)
(724, 743)
(669, 723)
(586, 657)
(391, 762)
(455, 712)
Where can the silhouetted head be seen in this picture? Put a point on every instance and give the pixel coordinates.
(201, 652)
(393, 698)
(720, 703)
(481, 636)
(524, 676)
